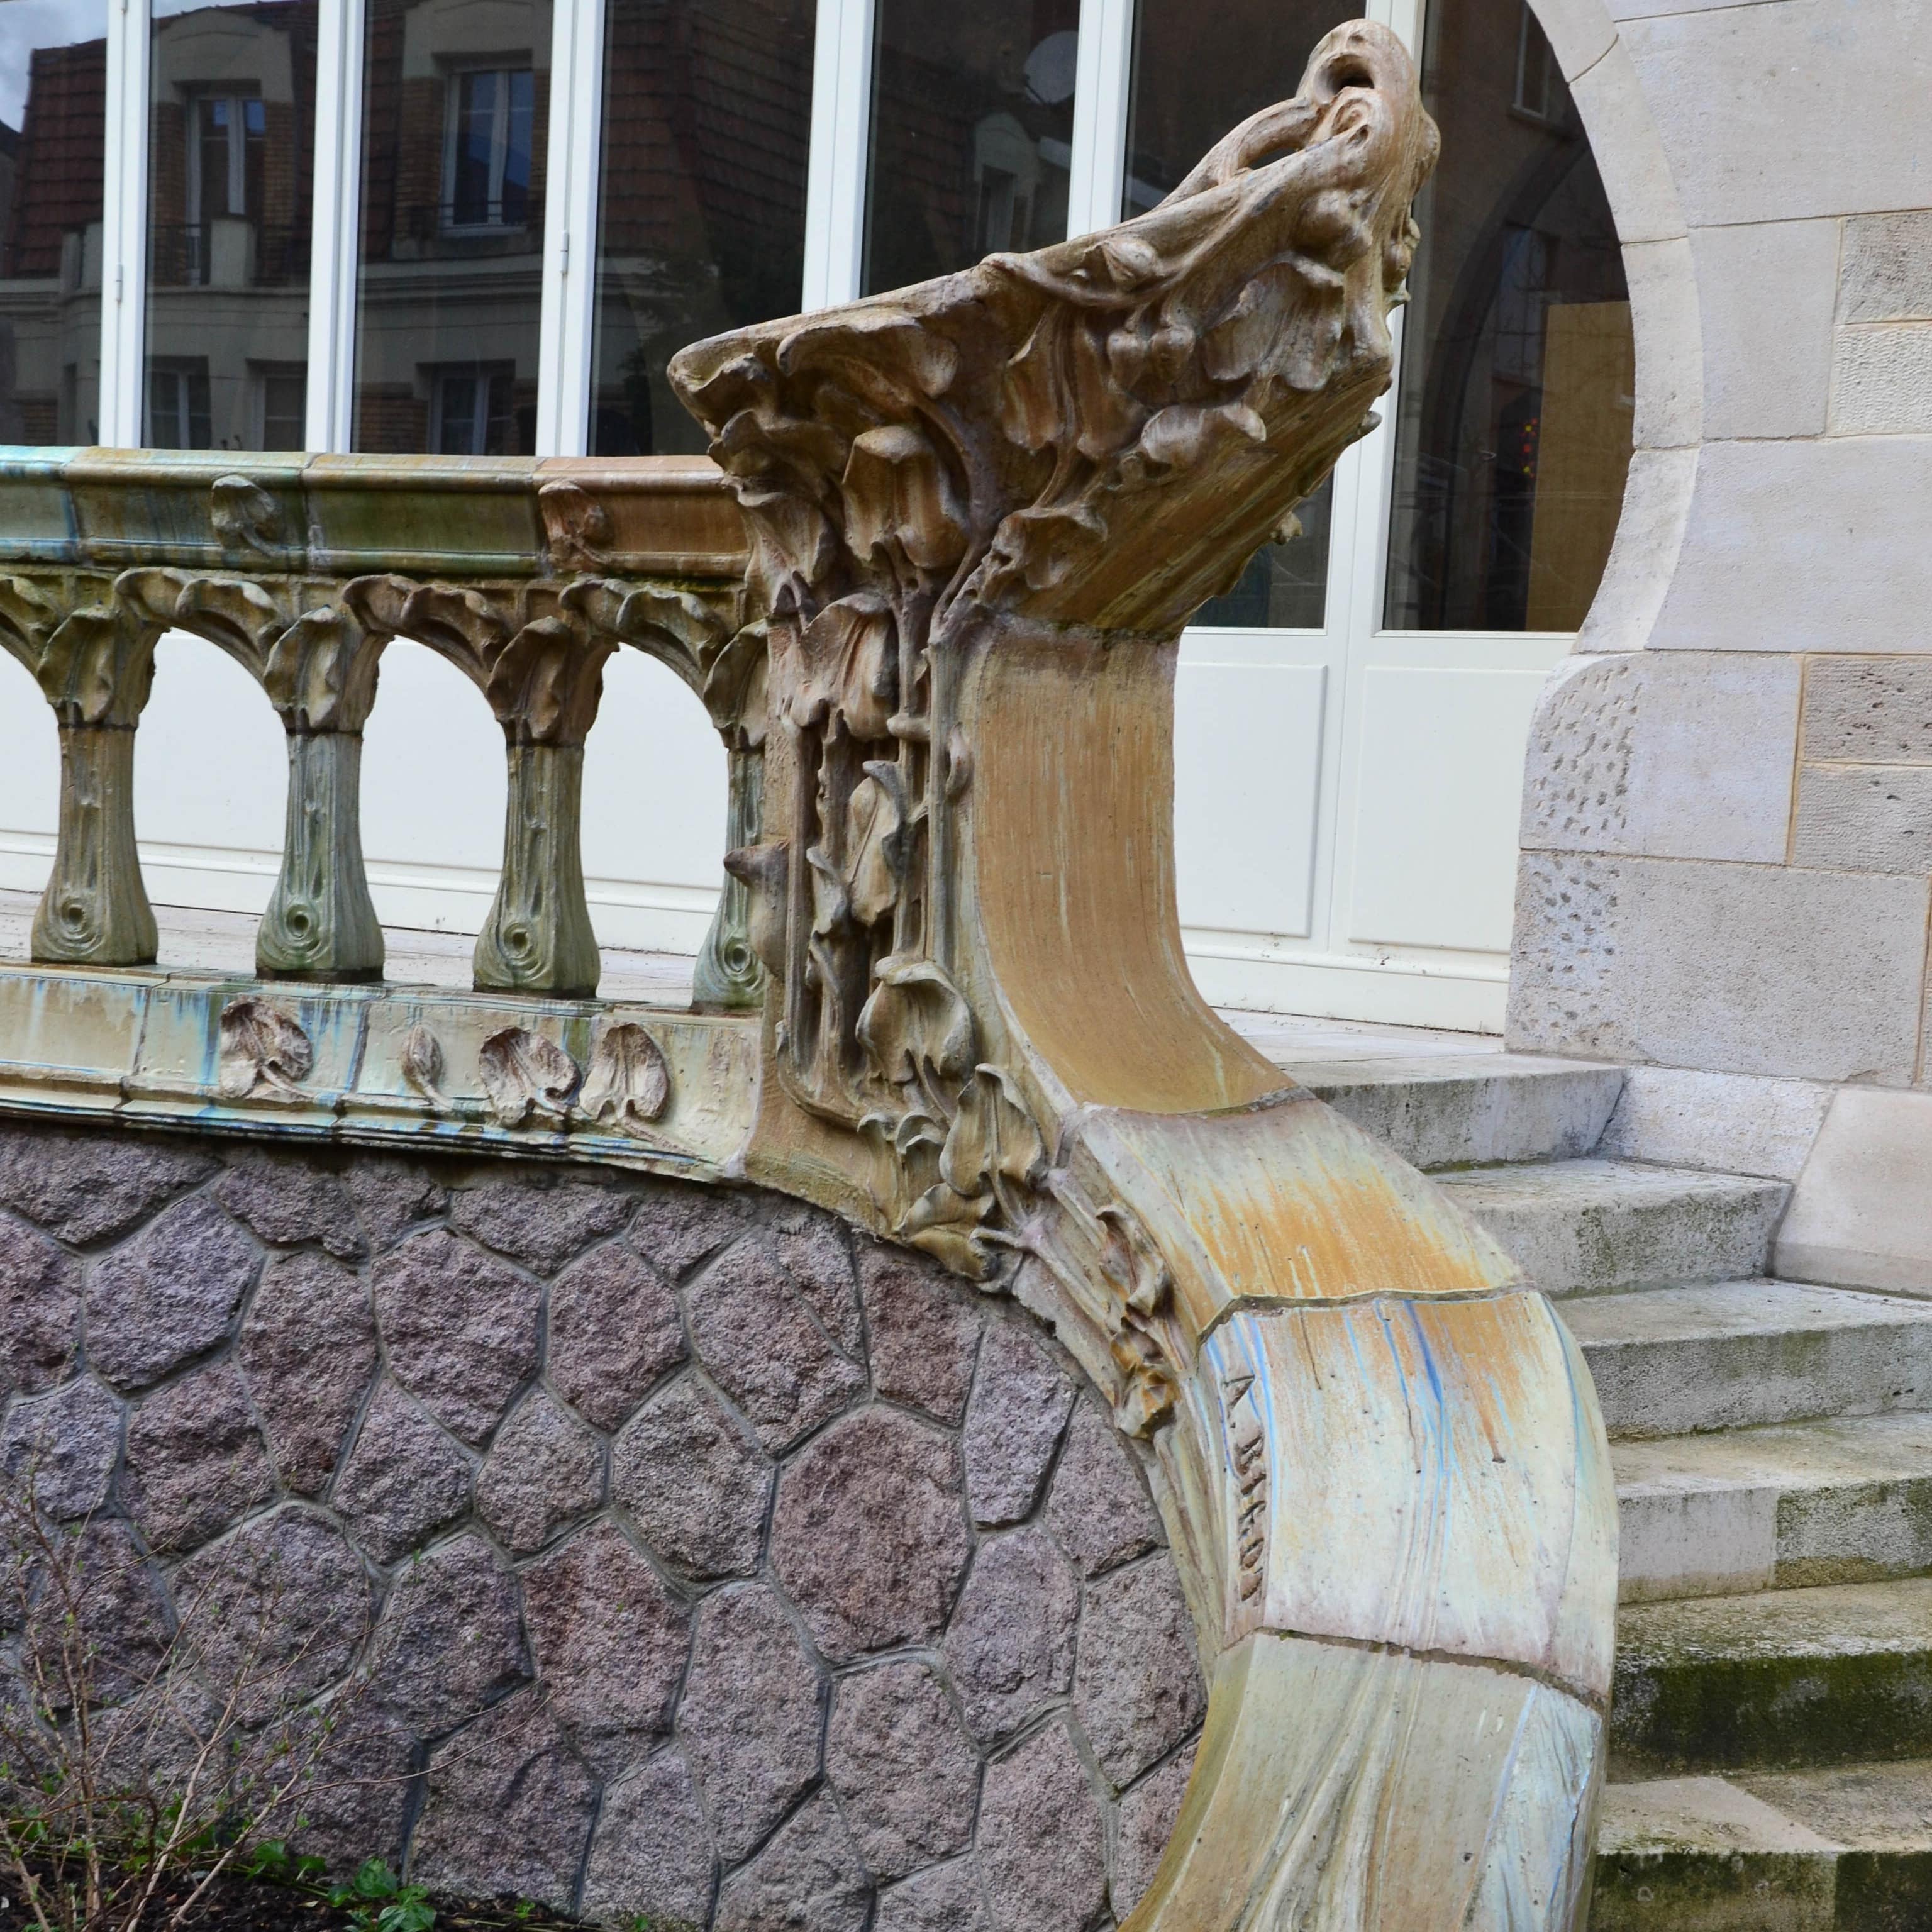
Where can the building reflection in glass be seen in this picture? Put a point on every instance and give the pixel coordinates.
(701, 226)
(456, 106)
(971, 135)
(231, 149)
(1189, 88)
(1515, 403)
(53, 91)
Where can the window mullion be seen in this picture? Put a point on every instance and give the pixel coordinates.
(499, 149)
(842, 111)
(571, 164)
(330, 402)
(124, 225)
(1371, 520)
(1103, 76)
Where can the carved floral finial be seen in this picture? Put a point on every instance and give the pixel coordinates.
(1034, 432)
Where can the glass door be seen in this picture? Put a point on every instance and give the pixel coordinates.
(1350, 757)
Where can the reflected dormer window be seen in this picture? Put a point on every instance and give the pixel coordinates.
(491, 119)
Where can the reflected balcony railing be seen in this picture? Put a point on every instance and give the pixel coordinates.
(230, 252)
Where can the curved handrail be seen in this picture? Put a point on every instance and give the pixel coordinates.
(982, 509)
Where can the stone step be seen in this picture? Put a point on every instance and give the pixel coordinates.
(1844, 1500)
(1442, 1111)
(1776, 1680)
(1594, 1226)
(1737, 1354)
(1847, 1850)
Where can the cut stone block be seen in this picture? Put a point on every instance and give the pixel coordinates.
(1864, 818)
(1843, 1500)
(1680, 754)
(1780, 1679)
(1885, 272)
(1767, 363)
(1862, 1807)
(1734, 1123)
(1869, 711)
(1695, 965)
(1733, 1354)
(1861, 1214)
(1850, 582)
(1439, 1111)
(1882, 380)
(1701, 1855)
(1846, 1850)
(1747, 152)
(1593, 1225)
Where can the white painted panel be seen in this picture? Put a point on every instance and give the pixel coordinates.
(29, 779)
(1439, 788)
(653, 781)
(1247, 756)
(433, 781)
(210, 782)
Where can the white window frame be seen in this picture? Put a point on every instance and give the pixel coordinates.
(1353, 644)
(124, 227)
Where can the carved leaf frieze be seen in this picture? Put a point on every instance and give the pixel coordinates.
(260, 1046)
(524, 1073)
(317, 664)
(423, 1067)
(627, 1083)
(91, 655)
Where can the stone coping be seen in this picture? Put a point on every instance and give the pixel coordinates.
(664, 516)
(617, 1083)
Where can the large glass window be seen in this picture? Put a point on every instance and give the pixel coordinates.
(53, 94)
(449, 295)
(700, 225)
(1513, 413)
(1189, 88)
(231, 149)
(971, 136)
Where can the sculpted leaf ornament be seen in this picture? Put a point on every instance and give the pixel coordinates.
(524, 1073)
(261, 1046)
(627, 1083)
(423, 1066)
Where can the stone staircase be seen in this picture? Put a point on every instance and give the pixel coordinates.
(1771, 1733)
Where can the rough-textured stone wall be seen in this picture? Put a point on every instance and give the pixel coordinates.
(663, 1550)
(1726, 871)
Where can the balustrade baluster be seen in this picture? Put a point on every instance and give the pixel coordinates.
(318, 668)
(540, 666)
(729, 973)
(94, 662)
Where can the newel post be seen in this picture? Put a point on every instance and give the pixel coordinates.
(983, 509)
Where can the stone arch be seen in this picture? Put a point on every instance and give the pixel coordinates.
(1629, 153)
(654, 772)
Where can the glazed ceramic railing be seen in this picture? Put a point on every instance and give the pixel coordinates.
(976, 514)
(527, 576)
